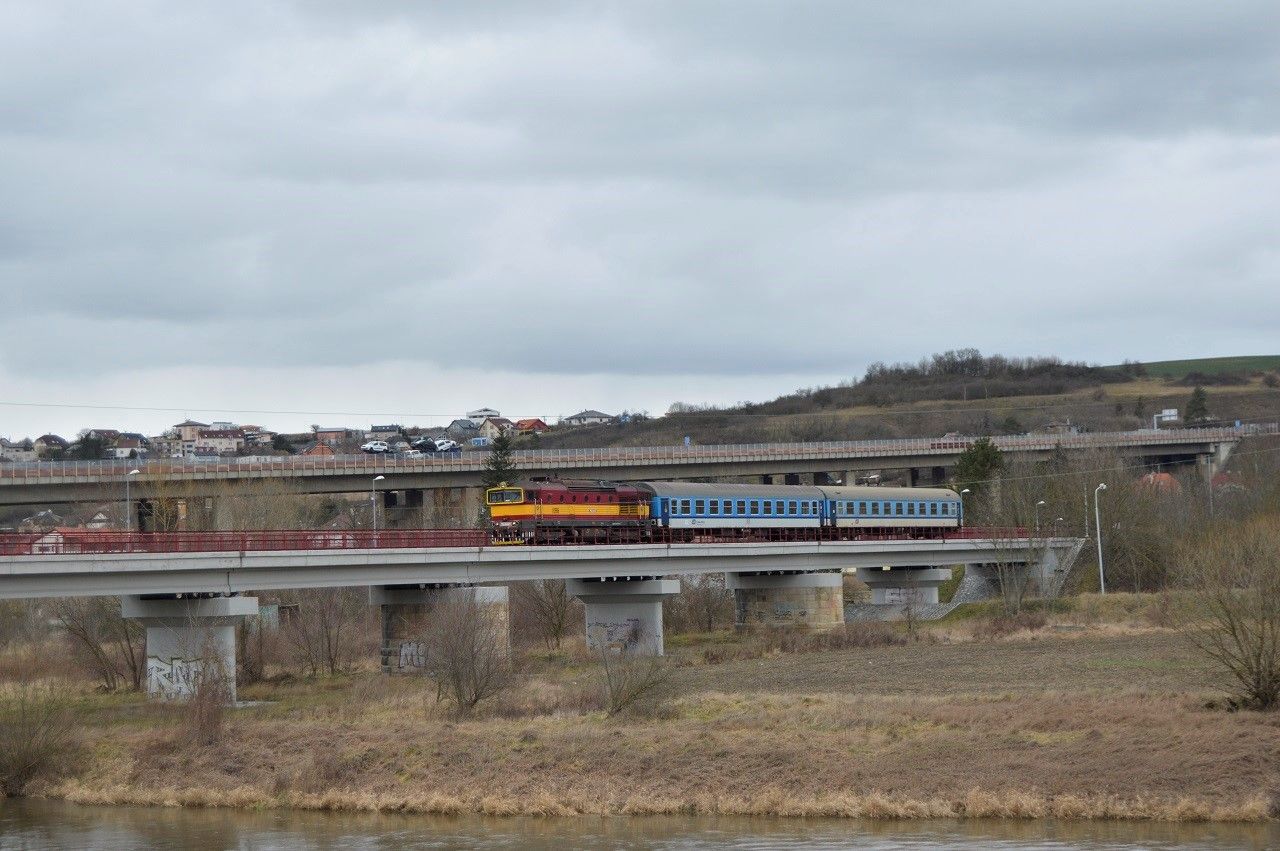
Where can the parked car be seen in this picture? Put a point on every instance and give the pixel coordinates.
(443, 444)
(424, 444)
(375, 446)
(413, 453)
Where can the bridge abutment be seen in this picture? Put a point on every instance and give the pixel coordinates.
(915, 585)
(188, 640)
(405, 611)
(624, 613)
(782, 598)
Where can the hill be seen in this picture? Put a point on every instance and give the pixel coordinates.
(1243, 366)
(960, 391)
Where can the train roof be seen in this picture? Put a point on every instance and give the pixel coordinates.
(694, 489)
(870, 493)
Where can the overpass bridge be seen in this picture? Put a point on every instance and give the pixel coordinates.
(188, 589)
(90, 481)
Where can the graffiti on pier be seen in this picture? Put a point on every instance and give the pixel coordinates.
(173, 677)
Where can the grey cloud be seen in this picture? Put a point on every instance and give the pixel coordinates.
(630, 189)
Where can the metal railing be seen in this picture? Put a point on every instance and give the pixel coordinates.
(60, 472)
(106, 542)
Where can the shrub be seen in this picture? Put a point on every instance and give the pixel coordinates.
(38, 735)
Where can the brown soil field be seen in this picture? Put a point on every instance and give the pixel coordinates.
(1079, 726)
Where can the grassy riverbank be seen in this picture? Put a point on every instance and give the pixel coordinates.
(1108, 722)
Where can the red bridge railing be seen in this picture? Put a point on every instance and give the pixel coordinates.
(71, 541)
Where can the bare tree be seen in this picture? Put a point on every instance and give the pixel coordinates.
(322, 633)
(705, 601)
(109, 645)
(1235, 616)
(468, 651)
(631, 671)
(547, 604)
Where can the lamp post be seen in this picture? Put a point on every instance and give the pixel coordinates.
(373, 503)
(128, 501)
(1057, 522)
(1038, 504)
(1097, 522)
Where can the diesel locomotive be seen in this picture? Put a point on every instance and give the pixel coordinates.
(556, 511)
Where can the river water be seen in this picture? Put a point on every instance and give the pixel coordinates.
(28, 825)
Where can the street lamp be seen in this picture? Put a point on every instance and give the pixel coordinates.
(1038, 504)
(128, 503)
(373, 503)
(1097, 522)
(1057, 521)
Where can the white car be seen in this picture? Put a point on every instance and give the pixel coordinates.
(445, 445)
(413, 453)
(375, 446)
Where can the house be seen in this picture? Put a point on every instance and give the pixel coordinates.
(166, 445)
(530, 426)
(47, 444)
(40, 521)
(334, 435)
(319, 449)
(258, 436)
(17, 452)
(587, 418)
(222, 425)
(462, 429)
(127, 447)
(481, 414)
(219, 441)
(494, 427)
(387, 432)
(189, 431)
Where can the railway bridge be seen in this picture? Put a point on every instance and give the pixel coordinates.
(190, 589)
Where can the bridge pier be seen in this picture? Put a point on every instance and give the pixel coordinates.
(405, 608)
(787, 598)
(187, 639)
(916, 585)
(624, 613)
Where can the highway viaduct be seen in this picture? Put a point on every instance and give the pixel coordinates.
(408, 482)
(190, 601)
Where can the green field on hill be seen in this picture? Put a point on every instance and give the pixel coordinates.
(1212, 366)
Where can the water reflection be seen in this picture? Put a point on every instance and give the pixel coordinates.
(33, 825)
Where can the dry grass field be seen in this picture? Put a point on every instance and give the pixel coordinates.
(1114, 721)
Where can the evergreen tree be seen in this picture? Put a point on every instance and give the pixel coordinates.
(498, 467)
(1197, 406)
(978, 465)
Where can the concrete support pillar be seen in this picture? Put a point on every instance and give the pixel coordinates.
(813, 600)
(189, 638)
(917, 585)
(624, 613)
(406, 610)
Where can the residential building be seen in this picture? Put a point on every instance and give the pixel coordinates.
(462, 429)
(318, 449)
(166, 445)
(49, 443)
(127, 447)
(481, 414)
(530, 426)
(189, 431)
(17, 452)
(493, 427)
(387, 432)
(334, 435)
(587, 418)
(219, 442)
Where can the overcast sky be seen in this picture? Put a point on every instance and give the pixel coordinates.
(382, 211)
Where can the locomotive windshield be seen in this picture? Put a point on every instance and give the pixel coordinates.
(498, 496)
